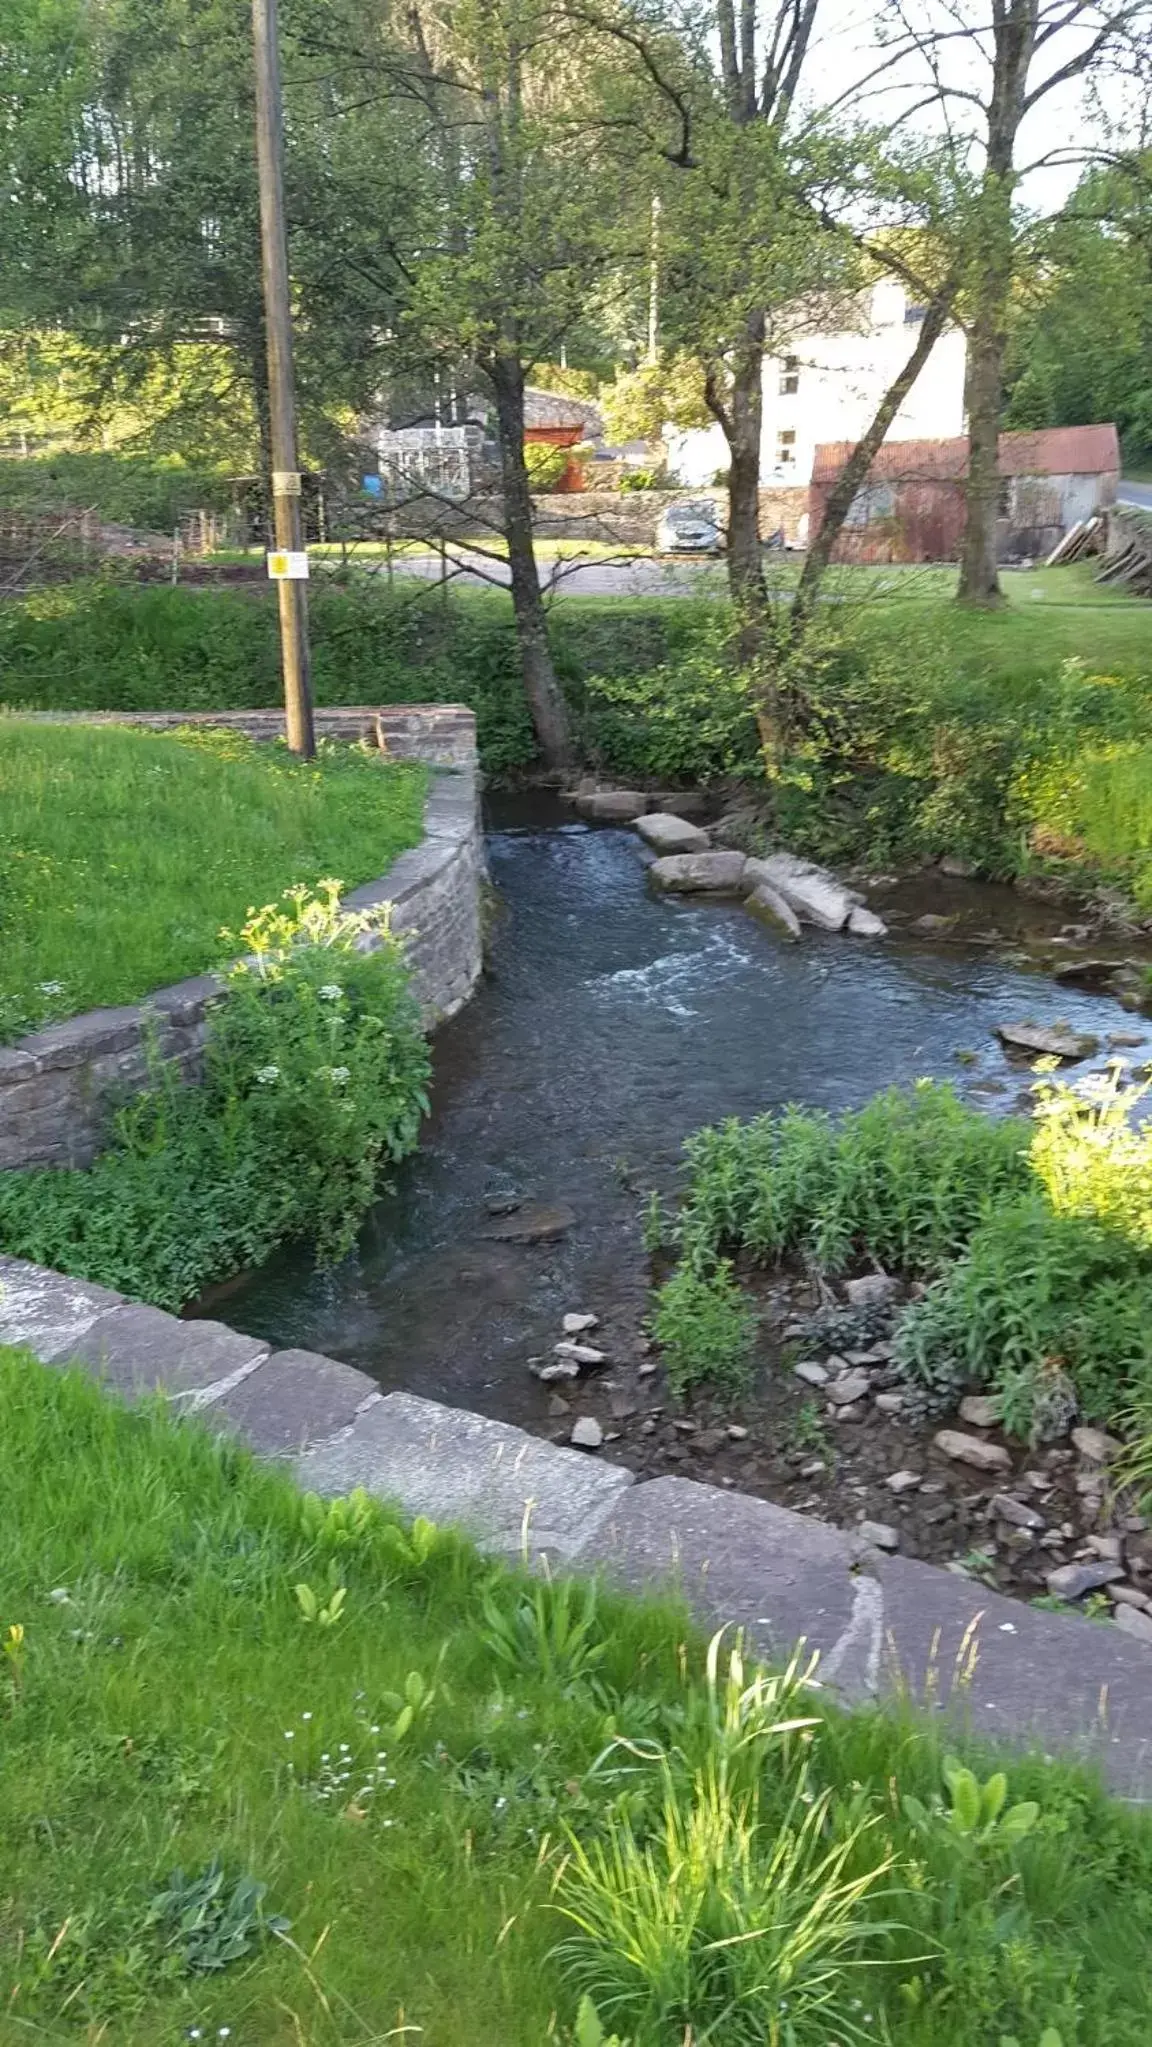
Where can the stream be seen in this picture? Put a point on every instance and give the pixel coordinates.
(611, 1023)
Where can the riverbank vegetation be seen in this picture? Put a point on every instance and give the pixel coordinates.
(1032, 1239)
(314, 1082)
(282, 1772)
(123, 853)
(1017, 740)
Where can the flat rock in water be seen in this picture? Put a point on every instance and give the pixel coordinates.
(552, 1373)
(578, 1325)
(769, 905)
(536, 1223)
(979, 1410)
(613, 806)
(1089, 973)
(972, 1450)
(1048, 1041)
(815, 895)
(668, 834)
(694, 873)
(864, 923)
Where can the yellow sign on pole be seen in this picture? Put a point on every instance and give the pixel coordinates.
(286, 566)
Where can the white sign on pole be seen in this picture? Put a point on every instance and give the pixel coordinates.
(287, 566)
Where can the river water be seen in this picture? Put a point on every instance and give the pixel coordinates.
(613, 1022)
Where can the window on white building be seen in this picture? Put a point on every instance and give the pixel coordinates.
(785, 448)
(790, 376)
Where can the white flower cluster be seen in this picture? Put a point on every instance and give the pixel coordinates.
(344, 1775)
(330, 992)
(267, 1074)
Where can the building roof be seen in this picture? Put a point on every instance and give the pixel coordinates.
(553, 408)
(1054, 451)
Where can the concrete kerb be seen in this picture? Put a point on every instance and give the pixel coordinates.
(56, 1082)
(882, 1627)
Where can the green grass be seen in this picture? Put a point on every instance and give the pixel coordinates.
(169, 1705)
(122, 854)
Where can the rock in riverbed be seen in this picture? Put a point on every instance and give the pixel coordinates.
(864, 923)
(695, 873)
(613, 806)
(536, 1222)
(668, 834)
(587, 1433)
(815, 895)
(972, 1450)
(766, 903)
(1048, 1041)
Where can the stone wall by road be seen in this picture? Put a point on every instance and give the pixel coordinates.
(56, 1084)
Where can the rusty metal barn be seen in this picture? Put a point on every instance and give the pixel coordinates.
(911, 509)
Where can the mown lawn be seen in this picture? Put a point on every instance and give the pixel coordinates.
(424, 1780)
(124, 853)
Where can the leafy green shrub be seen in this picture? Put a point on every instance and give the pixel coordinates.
(905, 1180)
(705, 1327)
(314, 1084)
(1047, 1310)
(689, 719)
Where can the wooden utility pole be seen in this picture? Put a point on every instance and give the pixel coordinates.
(289, 523)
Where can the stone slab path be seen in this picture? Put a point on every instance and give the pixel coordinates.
(881, 1626)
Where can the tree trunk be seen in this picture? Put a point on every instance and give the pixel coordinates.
(742, 422)
(984, 397)
(545, 699)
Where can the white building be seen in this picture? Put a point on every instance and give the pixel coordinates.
(828, 388)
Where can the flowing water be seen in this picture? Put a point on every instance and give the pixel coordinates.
(612, 1023)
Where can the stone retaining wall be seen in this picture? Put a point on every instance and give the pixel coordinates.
(56, 1083)
(882, 1627)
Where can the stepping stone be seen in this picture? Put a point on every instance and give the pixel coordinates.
(296, 1397)
(769, 905)
(696, 873)
(46, 1312)
(498, 1483)
(815, 895)
(613, 806)
(979, 1410)
(668, 834)
(136, 1350)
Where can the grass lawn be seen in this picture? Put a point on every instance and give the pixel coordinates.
(422, 1781)
(122, 853)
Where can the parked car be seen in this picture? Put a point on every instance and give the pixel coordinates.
(690, 528)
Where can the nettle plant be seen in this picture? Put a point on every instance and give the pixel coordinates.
(314, 1085)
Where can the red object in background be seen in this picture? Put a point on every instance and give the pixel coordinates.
(572, 476)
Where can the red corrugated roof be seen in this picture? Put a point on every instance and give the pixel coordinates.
(1054, 451)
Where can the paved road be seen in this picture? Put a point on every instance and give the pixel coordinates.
(1135, 494)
